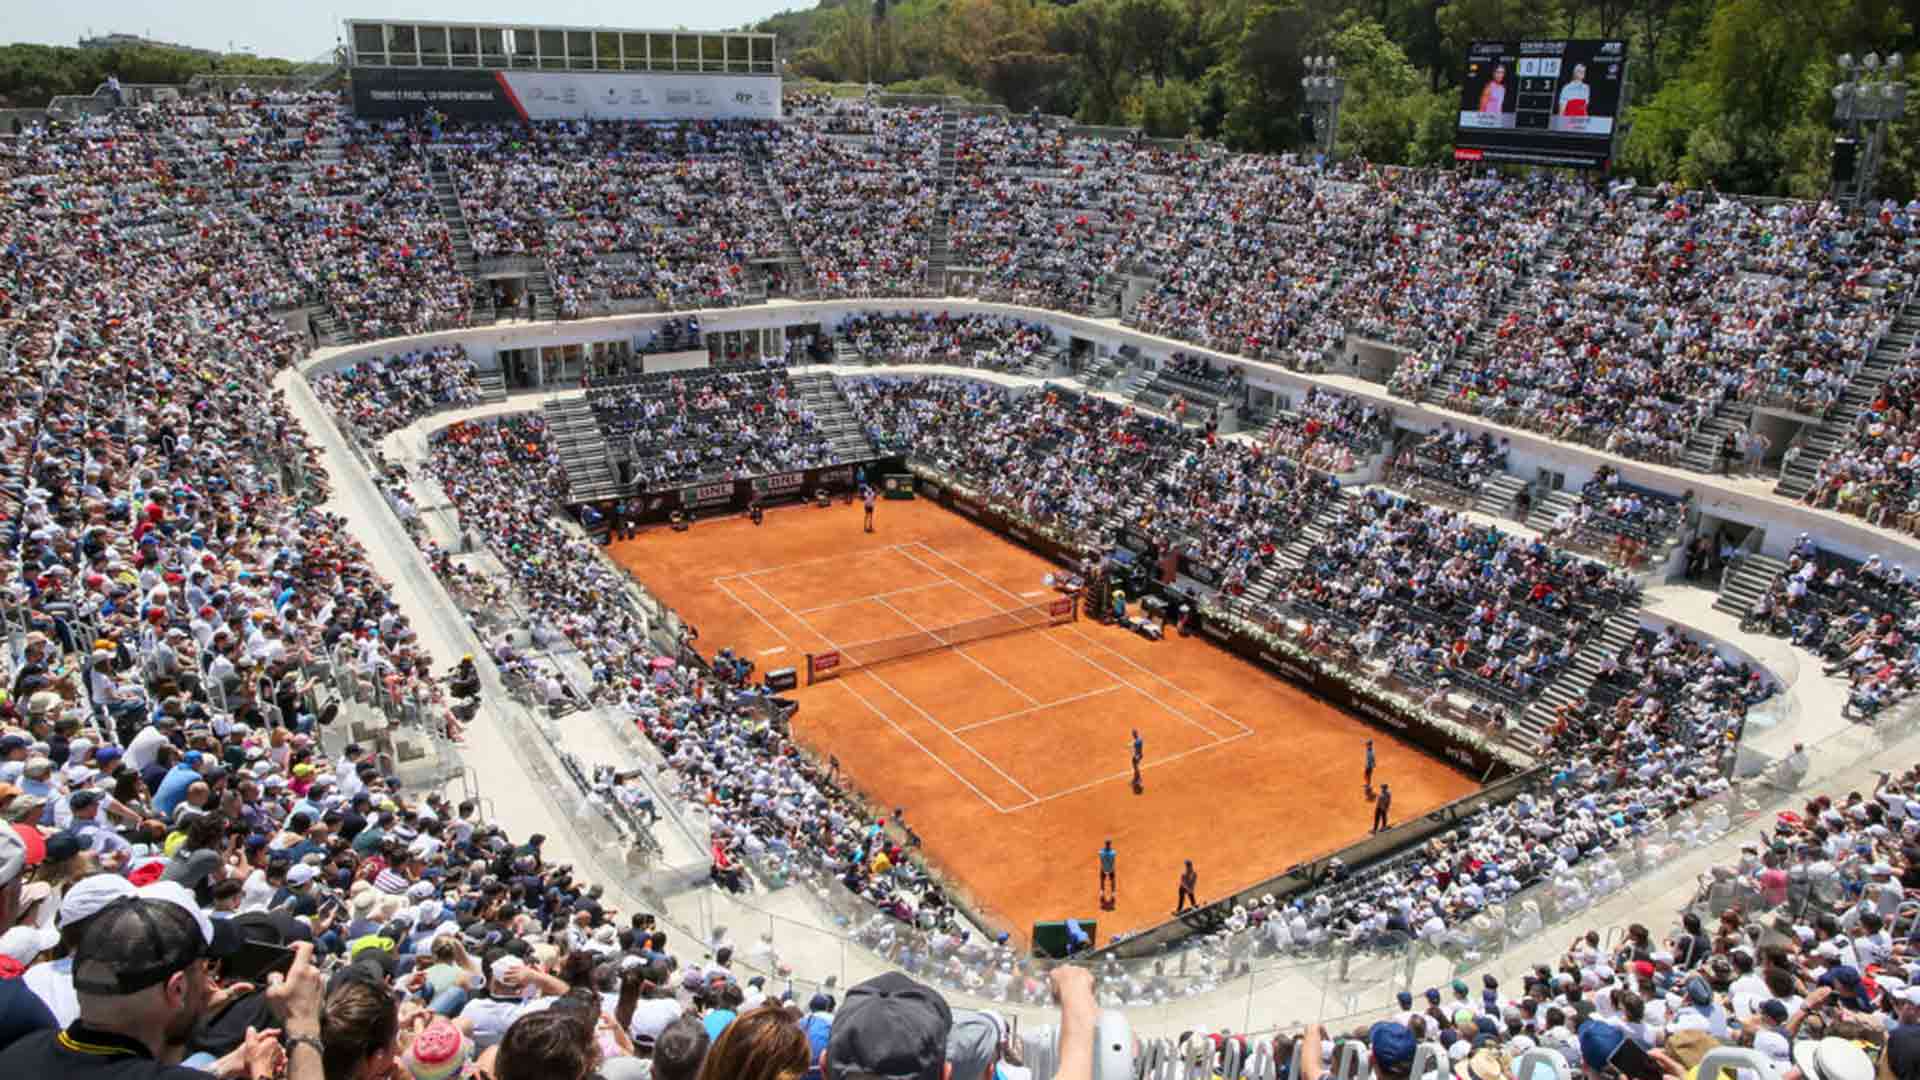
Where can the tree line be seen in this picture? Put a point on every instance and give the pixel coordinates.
(32, 75)
(1732, 93)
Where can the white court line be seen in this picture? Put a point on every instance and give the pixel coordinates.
(1128, 774)
(1136, 665)
(1031, 700)
(754, 611)
(1122, 657)
(1030, 595)
(1038, 707)
(938, 760)
(841, 559)
(984, 759)
(775, 649)
(875, 596)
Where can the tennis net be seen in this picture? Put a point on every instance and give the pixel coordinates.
(845, 658)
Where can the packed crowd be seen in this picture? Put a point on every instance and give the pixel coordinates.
(1871, 472)
(1794, 951)
(1077, 465)
(995, 342)
(1659, 308)
(667, 212)
(1329, 430)
(1856, 616)
(381, 395)
(1440, 597)
(178, 593)
(711, 423)
(860, 210)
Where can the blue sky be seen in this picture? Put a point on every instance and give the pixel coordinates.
(301, 31)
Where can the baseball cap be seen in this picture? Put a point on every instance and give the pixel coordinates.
(1392, 1045)
(891, 1028)
(1598, 1041)
(23, 944)
(1903, 1052)
(141, 940)
(973, 1044)
(89, 895)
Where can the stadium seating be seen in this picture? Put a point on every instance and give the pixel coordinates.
(170, 553)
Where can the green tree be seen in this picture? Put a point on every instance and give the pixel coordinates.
(1264, 85)
(1385, 95)
(1165, 110)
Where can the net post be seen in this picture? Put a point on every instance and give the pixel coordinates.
(809, 669)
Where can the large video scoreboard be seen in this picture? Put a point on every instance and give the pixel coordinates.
(1541, 102)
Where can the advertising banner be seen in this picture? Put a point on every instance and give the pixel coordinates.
(388, 93)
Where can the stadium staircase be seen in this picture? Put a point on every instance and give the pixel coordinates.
(1096, 376)
(1441, 388)
(446, 197)
(493, 386)
(939, 234)
(1860, 392)
(1495, 498)
(1106, 298)
(846, 352)
(1258, 597)
(793, 265)
(545, 306)
(582, 447)
(1045, 363)
(833, 414)
(1548, 507)
(1529, 730)
(1748, 583)
(1702, 452)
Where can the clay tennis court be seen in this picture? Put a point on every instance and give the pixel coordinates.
(1012, 755)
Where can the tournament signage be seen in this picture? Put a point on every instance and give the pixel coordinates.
(384, 93)
(781, 484)
(737, 495)
(705, 495)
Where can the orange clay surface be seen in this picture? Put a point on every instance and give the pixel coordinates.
(1012, 755)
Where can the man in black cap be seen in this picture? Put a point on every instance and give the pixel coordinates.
(141, 972)
(889, 1028)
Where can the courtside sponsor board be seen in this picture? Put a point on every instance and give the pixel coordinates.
(706, 494)
(775, 485)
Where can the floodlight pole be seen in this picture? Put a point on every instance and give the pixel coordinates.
(1324, 88)
(1868, 96)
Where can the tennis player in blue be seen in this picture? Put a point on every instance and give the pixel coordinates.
(1109, 884)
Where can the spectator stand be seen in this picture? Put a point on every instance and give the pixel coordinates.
(1832, 451)
(1627, 524)
(1450, 467)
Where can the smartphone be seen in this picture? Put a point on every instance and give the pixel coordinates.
(1634, 1062)
(256, 960)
